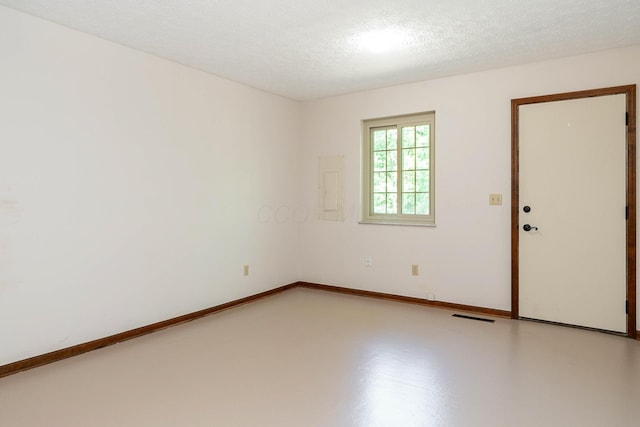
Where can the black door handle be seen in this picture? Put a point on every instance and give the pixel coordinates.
(528, 227)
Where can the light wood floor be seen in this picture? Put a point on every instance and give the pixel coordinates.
(312, 358)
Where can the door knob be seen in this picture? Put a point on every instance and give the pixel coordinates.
(528, 227)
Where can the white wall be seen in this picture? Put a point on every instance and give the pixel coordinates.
(132, 189)
(466, 258)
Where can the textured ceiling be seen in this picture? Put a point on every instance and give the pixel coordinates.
(307, 49)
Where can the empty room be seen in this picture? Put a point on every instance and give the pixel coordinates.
(318, 213)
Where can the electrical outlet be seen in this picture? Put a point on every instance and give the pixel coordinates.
(415, 270)
(367, 261)
(245, 270)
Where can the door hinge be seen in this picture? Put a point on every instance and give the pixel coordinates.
(626, 307)
(626, 212)
(626, 118)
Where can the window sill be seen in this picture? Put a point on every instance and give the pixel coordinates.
(392, 222)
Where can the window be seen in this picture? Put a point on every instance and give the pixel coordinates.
(397, 170)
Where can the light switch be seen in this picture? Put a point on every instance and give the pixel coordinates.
(495, 199)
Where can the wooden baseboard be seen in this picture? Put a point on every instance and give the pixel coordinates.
(54, 356)
(411, 300)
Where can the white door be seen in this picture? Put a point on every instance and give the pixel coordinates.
(572, 261)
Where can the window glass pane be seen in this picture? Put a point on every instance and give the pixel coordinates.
(409, 203)
(380, 160)
(422, 181)
(379, 202)
(408, 137)
(392, 160)
(408, 181)
(392, 139)
(392, 203)
(409, 159)
(379, 182)
(422, 158)
(379, 140)
(422, 136)
(392, 182)
(422, 204)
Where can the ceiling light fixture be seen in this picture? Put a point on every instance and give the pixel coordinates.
(380, 41)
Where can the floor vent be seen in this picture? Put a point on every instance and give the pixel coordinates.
(473, 318)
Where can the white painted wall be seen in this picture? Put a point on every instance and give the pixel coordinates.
(132, 189)
(466, 258)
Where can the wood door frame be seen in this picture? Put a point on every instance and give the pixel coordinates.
(630, 92)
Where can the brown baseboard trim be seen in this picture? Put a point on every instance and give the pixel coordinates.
(411, 300)
(54, 356)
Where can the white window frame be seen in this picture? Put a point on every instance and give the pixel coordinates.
(367, 215)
